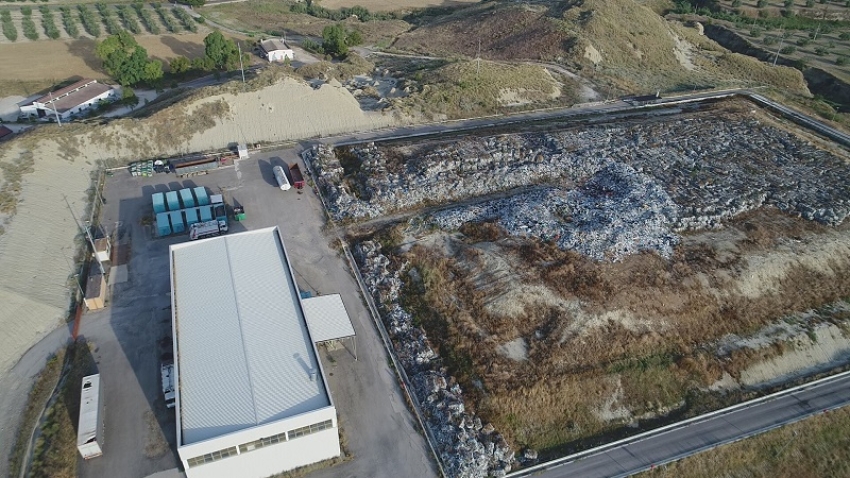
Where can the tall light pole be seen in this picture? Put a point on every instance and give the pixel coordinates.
(241, 67)
(87, 231)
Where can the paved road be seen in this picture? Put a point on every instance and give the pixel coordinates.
(706, 434)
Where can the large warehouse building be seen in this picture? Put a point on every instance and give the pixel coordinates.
(251, 399)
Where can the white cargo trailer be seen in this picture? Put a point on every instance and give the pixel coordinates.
(90, 429)
(280, 177)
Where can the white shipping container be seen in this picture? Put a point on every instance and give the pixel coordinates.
(90, 429)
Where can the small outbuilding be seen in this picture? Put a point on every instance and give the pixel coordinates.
(275, 49)
(95, 292)
(102, 249)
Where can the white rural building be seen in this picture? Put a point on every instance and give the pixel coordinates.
(72, 100)
(251, 398)
(275, 49)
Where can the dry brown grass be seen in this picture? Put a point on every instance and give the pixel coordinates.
(38, 395)
(815, 447)
(463, 89)
(394, 5)
(572, 370)
(12, 175)
(636, 46)
(55, 454)
(352, 66)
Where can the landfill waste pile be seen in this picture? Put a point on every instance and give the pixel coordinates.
(467, 448)
(712, 167)
(617, 212)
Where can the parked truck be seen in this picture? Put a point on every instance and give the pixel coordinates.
(297, 177)
(168, 393)
(213, 228)
(280, 177)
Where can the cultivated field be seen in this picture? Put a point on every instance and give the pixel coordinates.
(63, 59)
(575, 280)
(393, 5)
(272, 17)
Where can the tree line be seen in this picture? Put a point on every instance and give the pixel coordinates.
(130, 65)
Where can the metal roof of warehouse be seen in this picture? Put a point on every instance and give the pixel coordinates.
(327, 318)
(244, 354)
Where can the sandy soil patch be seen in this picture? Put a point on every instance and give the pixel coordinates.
(516, 349)
(35, 252)
(825, 347)
(592, 54)
(683, 51)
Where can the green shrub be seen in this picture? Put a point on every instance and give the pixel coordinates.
(185, 19)
(788, 3)
(770, 40)
(29, 28)
(9, 30)
(761, 3)
(146, 17)
(821, 51)
(803, 41)
(90, 23)
(167, 20)
(26, 11)
(48, 23)
(128, 19)
(68, 22)
(844, 36)
(842, 61)
(755, 32)
(788, 50)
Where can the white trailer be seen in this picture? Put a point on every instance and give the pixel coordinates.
(280, 177)
(90, 429)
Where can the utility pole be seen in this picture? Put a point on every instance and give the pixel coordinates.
(781, 39)
(54, 109)
(87, 232)
(478, 58)
(241, 67)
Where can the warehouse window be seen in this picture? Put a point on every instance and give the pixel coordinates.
(211, 457)
(256, 444)
(316, 427)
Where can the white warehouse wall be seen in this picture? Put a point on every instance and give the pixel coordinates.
(269, 460)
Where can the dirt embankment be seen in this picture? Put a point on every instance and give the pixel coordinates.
(820, 82)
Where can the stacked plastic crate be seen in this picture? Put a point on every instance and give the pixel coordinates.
(141, 168)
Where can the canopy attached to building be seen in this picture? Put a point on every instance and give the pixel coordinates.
(327, 319)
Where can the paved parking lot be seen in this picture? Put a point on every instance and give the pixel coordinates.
(132, 333)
